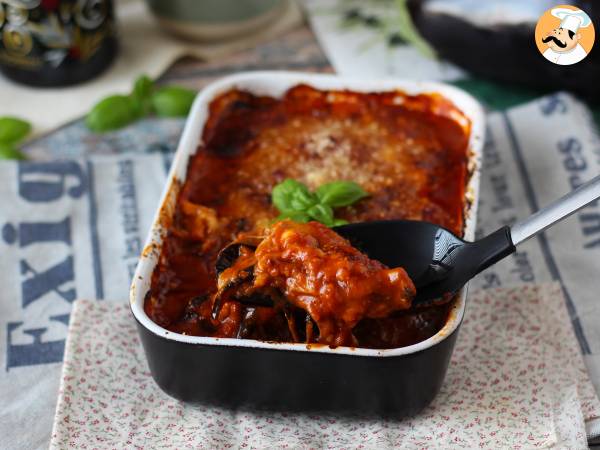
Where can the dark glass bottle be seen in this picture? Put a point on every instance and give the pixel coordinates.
(56, 42)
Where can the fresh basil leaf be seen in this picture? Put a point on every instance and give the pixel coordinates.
(173, 101)
(13, 129)
(141, 95)
(143, 87)
(296, 216)
(8, 151)
(287, 192)
(111, 113)
(408, 31)
(303, 199)
(295, 201)
(321, 213)
(340, 193)
(339, 222)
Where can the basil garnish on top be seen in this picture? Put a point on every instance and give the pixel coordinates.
(295, 201)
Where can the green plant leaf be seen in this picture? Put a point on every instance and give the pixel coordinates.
(303, 199)
(340, 193)
(321, 213)
(339, 222)
(141, 95)
(288, 195)
(173, 101)
(294, 200)
(111, 113)
(13, 130)
(9, 151)
(296, 216)
(407, 30)
(143, 86)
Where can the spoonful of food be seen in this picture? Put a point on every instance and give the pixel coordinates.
(440, 263)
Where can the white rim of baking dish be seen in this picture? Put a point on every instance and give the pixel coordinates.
(275, 83)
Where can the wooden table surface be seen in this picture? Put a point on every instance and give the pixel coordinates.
(294, 50)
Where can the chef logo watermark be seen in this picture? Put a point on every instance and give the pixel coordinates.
(564, 35)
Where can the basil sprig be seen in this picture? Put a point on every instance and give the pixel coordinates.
(117, 111)
(173, 101)
(12, 131)
(111, 113)
(340, 193)
(295, 201)
(141, 96)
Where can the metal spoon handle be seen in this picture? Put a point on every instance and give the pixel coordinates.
(556, 211)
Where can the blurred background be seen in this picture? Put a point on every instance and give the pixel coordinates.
(77, 51)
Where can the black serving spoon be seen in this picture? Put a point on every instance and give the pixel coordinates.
(438, 262)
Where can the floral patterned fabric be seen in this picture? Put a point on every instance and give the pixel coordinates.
(516, 380)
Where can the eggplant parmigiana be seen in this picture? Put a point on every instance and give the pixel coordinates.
(310, 267)
(408, 152)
